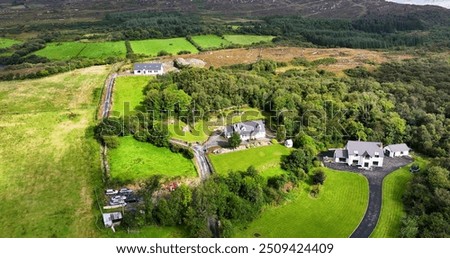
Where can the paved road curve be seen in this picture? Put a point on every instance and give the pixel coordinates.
(204, 165)
(373, 211)
(375, 178)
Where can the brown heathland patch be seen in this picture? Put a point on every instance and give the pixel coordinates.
(347, 58)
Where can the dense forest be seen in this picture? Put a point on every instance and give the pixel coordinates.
(400, 102)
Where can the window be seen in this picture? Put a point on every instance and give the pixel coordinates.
(342, 159)
(401, 152)
(356, 153)
(377, 155)
(375, 163)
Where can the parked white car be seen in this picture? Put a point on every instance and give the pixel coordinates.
(111, 192)
(125, 191)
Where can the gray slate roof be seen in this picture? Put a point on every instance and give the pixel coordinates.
(341, 153)
(365, 147)
(398, 147)
(246, 128)
(148, 66)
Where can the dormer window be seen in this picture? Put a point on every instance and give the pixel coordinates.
(356, 153)
(377, 155)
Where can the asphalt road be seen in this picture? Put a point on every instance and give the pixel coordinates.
(375, 178)
(200, 157)
(108, 97)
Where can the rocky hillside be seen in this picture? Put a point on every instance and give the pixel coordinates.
(23, 10)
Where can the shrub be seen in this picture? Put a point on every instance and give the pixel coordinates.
(164, 53)
(319, 177)
(111, 142)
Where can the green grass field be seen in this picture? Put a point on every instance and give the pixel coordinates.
(96, 50)
(50, 164)
(335, 213)
(128, 89)
(265, 159)
(134, 160)
(151, 47)
(210, 41)
(5, 42)
(245, 40)
(197, 134)
(101, 50)
(392, 210)
(61, 50)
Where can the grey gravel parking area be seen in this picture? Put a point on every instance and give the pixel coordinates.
(375, 178)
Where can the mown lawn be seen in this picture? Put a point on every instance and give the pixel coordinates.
(392, 209)
(49, 165)
(128, 90)
(95, 50)
(247, 39)
(134, 160)
(5, 42)
(210, 41)
(265, 159)
(335, 213)
(152, 47)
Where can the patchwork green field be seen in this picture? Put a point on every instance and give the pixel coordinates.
(5, 42)
(49, 164)
(210, 41)
(61, 50)
(264, 159)
(101, 50)
(152, 47)
(69, 50)
(392, 210)
(180, 131)
(245, 40)
(128, 89)
(134, 160)
(335, 213)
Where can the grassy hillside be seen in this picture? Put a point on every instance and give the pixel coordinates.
(210, 41)
(335, 213)
(134, 160)
(49, 164)
(265, 159)
(152, 47)
(247, 39)
(129, 89)
(96, 50)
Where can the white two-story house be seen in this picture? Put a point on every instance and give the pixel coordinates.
(251, 130)
(361, 154)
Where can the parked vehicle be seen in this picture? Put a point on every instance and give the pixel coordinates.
(111, 192)
(125, 191)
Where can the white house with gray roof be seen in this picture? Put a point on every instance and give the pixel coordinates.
(251, 130)
(396, 150)
(148, 69)
(362, 154)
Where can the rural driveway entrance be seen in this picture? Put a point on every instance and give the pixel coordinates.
(375, 178)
